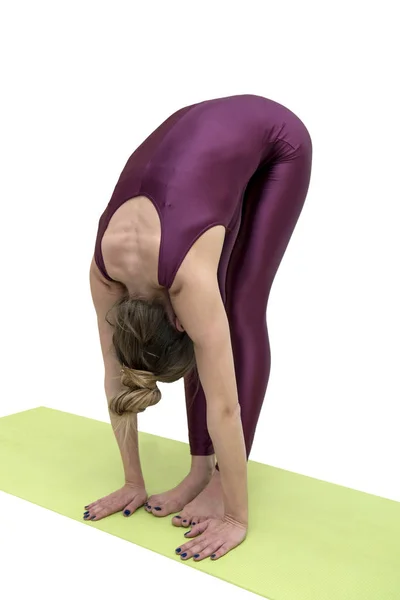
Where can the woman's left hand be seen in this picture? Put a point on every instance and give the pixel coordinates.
(218, 536)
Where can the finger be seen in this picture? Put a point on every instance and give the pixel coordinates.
(93, 510)
(199, 548)
(210, 550)
(185, 551)
(224, 549)
(96, 515)
(132, 506)
(197, 529)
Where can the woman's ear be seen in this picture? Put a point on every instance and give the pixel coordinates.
(178, 325)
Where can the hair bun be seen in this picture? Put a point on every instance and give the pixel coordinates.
(142, 393)
(138, 379)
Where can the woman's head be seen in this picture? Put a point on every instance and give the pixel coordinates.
(149, 348)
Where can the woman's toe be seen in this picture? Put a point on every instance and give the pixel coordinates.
(186, 521)
(159, 510)
(151, 503)
(177, 521)
(181, 520)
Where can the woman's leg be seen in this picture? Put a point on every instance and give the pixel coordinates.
(272, 205)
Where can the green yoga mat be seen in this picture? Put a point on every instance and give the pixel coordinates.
(308, 539)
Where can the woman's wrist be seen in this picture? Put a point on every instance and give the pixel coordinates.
(241, 520)
(135, 483)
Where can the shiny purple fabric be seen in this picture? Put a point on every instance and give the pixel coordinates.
(243, 162)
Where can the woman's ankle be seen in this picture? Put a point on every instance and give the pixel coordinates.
(203, 466)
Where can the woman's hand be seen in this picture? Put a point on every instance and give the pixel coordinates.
(218, 536)
(127, 499)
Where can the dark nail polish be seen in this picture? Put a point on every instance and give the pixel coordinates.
(87, 506)
(86, 516)
(93, 518)
(127, 512)
(185, 520)
(184, 554)
(178, 550)
(157, 508)
(193, 523)
(196, 556)
(86, 513)
(212, 555)
(178, 517)
(187, 533)
(148, 506)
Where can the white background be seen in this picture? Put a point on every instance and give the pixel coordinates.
(83, 83)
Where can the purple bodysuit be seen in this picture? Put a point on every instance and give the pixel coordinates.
(243, 162)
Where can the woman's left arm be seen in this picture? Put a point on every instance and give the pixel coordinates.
(215, 363)
(199, 307)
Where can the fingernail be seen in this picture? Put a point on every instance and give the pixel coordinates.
(86, 513)
(196, 556)
(85, 516)
(93, 518)
(183, 555)
(178, 517)
(193, 523)
(184, 520)
(187, 533)
(213, 555)
(127, 512)
(87, 506)
(178, 550)
(157, 508)
(148, 506)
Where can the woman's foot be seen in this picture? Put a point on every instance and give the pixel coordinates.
(208, 504)
(127, 499)
(175, 500)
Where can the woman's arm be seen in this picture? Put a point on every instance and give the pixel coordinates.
(199, 307)
(215, 362)
(104, 296)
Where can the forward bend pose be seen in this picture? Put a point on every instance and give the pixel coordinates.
(185, 256)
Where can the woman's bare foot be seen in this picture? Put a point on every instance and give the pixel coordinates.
(128, 498)
(174, 500)
(208, 504)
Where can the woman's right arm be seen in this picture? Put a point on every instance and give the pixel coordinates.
(104, 296)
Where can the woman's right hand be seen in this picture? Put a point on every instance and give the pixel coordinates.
(128, 498)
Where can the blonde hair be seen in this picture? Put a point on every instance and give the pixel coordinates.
(149, 349)
(143, 392)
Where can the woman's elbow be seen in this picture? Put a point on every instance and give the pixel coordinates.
(223, 412)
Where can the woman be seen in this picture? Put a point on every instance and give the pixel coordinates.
(185, 256)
